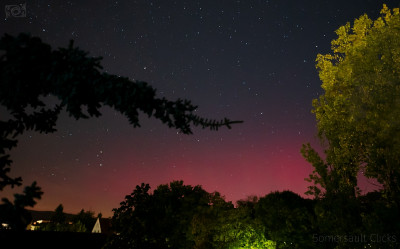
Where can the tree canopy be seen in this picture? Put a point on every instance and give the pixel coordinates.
(160, 219)
(14, 213)
(31, 70)
(357, 116)
(287, 218)
(182, 216)
(59, 222)
(359, 129)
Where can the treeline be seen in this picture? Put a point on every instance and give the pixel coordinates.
(182, 216)
(60, 222)
(13, 218)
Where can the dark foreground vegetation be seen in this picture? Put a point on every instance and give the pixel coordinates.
(181, 216)
(40, 239)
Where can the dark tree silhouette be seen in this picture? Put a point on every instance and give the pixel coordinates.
(287, 218)
(60, 222)
(15, 213)
(182, 216)
(158, 220)
(30, 70)
(87, 218)
(59, 216)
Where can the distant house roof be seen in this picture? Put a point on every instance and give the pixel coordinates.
(102, 225)
(41, 215)
(46, 215)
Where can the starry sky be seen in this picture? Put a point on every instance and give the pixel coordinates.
(250, 60)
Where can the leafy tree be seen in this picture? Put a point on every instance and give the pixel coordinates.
(248, 204)
(221, 226)
(78, 227)
(206, 222)
(15, 213)
(377, 216)
(60, 223)
(358, 125)
(86, 218)
(357, 116)
(158, 220)
(126, 224)
(288, 219)
(30, 71)
(237, 229)
(59, 216)
(179, 216)
(339, 215)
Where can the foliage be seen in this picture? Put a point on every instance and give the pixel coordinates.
(182, 216)
(339, 215)
(238, 229)
(59, 223)
(59, 216)
(86, 218)
(288, 219)
(358, 125)
(357, 116)
(158, 220)
(377, 216)
(58, 227)
(78, 227)
(15, 213)
(206, 222)
(166, 219)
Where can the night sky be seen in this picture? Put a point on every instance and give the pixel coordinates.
(248, 60)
